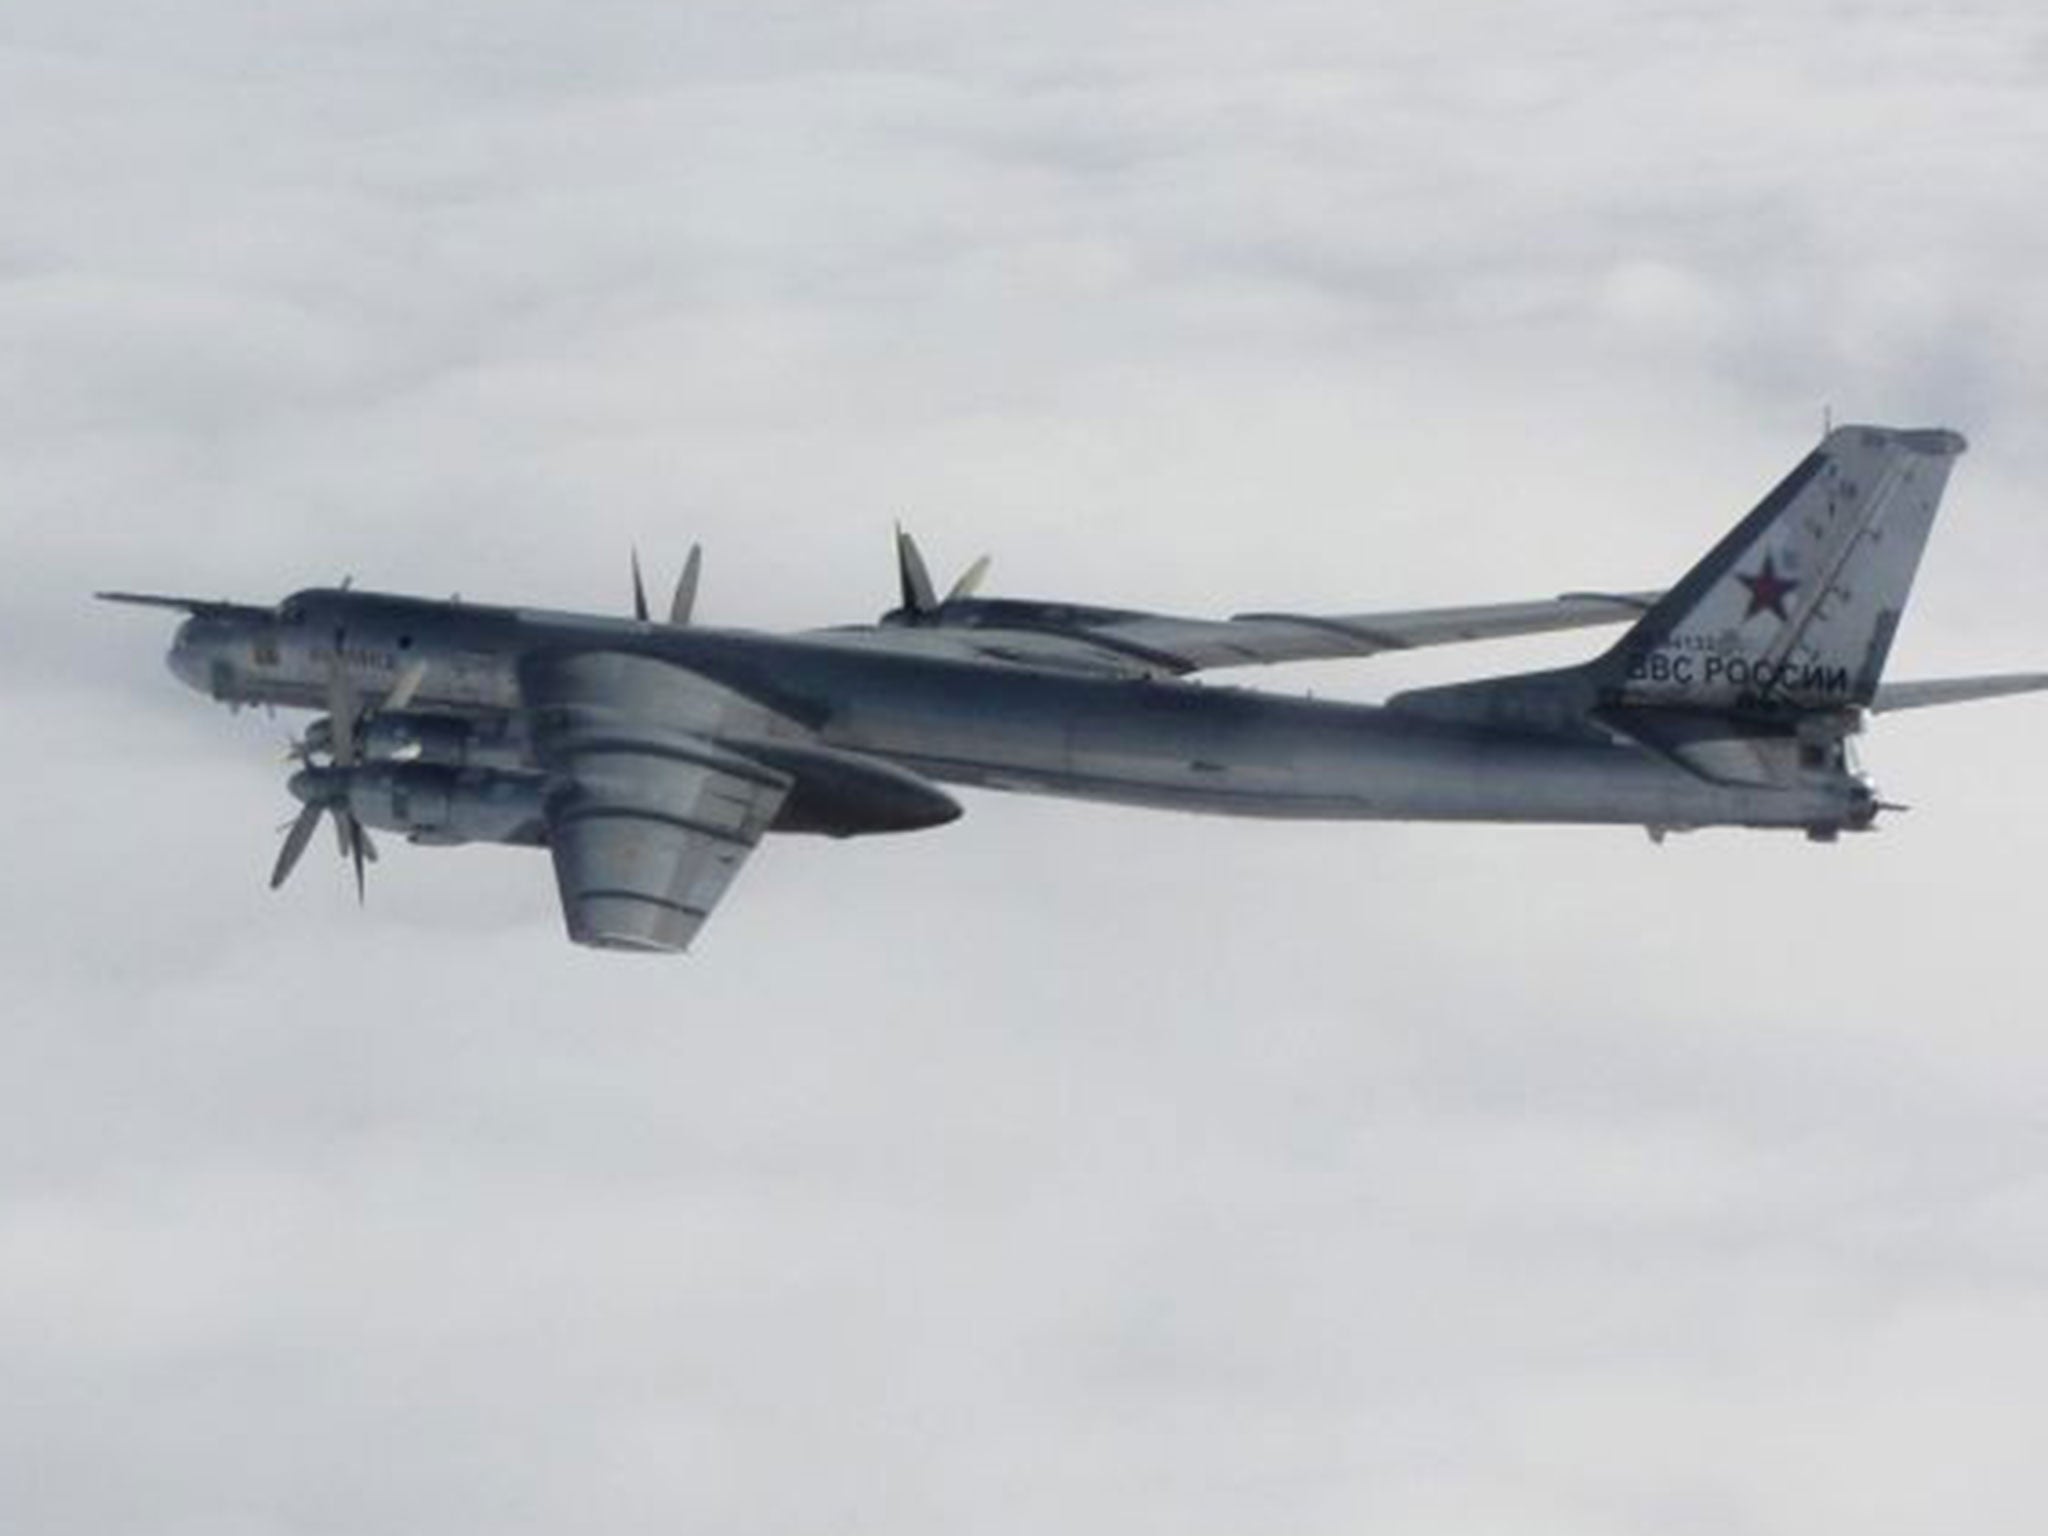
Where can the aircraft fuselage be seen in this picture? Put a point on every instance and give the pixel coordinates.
(1148, 742)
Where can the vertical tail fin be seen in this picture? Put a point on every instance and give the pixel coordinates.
(1796, 608)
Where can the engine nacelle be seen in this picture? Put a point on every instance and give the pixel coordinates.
(847, 794)
(452, 741)
(432, 803)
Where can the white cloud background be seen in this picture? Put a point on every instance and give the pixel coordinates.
(1070, 1168)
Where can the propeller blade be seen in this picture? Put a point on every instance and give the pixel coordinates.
(639, 591)
(970, 580)
(295, 842)
(685, 602)
(406, 688)
(915, 580)
(356, 845)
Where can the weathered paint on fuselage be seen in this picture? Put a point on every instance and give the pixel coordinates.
(1163, 743)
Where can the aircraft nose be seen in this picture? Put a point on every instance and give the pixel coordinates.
(187, 657)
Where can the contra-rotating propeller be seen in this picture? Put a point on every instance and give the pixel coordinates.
(339, 733)
(326, 789)
(323, 791)
(914, 579)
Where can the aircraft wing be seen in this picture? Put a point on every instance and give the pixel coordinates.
(1256, 639)
(1112, 642)
(657, 814)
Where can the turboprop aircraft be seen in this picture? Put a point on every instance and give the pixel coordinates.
(649, 756)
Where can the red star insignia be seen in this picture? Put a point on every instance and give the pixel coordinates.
(1767, 590)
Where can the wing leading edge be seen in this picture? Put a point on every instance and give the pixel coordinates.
(1257, 639)
(1119, 643)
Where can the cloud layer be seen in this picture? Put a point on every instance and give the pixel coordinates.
(1071, 1167)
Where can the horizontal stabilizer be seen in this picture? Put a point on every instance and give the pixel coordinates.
(1955, 690)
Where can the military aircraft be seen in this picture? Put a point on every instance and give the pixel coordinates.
(649, 756)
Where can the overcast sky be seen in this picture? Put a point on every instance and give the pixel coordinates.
(1069, 1168)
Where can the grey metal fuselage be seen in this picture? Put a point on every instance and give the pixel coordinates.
(1150, 742)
